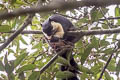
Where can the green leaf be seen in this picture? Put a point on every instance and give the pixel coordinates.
(64, 74)
(11, 76)
(39, 45)
(104, 43)
(21, 76)
(83, 20)
(104, 26)
(111, 66)
(34, 76)
(20, 2)
(8, 67)
(62, 60)
(118, 68)
(96, 69)
(14, 22)
(107, 51)
(5, 28)
(95, 14)
(83, 76)
(2, 66)
(95, 43)
(117, 13)
(26, 68)
(85, 70)
(23, 41)
(80, 44)
(19, 59)
(86, 53)
(107, 76)
(13, 1)
(44, 77)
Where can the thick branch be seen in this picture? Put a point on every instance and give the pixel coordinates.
(94, 32)
(59, 5)
(77, 32)
(81, 33)
(26, 32)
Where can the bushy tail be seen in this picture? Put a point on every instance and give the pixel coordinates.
(73, 67)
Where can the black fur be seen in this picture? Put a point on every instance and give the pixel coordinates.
(66, 25)
(47, 27)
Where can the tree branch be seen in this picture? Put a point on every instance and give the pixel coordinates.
(109, 18)
(76, 32)
(102, 12)
(108, 61)
(26, 32)
(94, 32)
(57, 5)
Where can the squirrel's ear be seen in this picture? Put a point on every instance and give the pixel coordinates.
(50, 19)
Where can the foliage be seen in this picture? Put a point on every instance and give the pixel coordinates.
(29, 51)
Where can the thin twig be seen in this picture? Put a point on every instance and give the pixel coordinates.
(106, 65)
(110, 18)
(105, 18)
